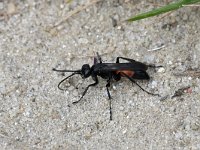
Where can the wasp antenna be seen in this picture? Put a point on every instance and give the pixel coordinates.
(77, 71)
(65, 79)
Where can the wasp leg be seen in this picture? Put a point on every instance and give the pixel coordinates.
(109, 96)
(99, 57)
(128, 59)
(139, 85)
(93, 84)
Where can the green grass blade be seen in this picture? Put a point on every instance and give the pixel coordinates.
(164, 9)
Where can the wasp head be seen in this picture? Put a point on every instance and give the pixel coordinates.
(85, 71)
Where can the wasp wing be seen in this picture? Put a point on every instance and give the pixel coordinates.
(123, 66)
(133, 70)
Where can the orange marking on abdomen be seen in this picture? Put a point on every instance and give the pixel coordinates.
(127, 72)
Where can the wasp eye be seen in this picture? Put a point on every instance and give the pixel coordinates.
(85, 71)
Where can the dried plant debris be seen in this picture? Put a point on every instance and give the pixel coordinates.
(77, 10)
(164, 98)
(192, 73)
(182, 91)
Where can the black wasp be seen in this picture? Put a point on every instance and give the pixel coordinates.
(130, 70)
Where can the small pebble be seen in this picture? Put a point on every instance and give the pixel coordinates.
(131, 103)
(1, 5)
(64, 46)
(161, 70)
(178, 135)
(187, 127)
(153, 84)
(60, 27)
(71, 88)
(124, 132)
(38, 41)
(114, 87)
(75, 93)
(11, 9)
(101, 18)
(83, 41)
(195, 126)
(185, 17)
(121, 108)
(62, 6)
(66, 93)
(137, 54)
(119, 27)
(169, 63)
(53, 31)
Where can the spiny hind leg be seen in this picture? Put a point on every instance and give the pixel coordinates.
(154, 66)
(109, 96)
(128, 59)
(133, 81)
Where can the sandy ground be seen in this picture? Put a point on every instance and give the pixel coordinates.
(36, 36)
